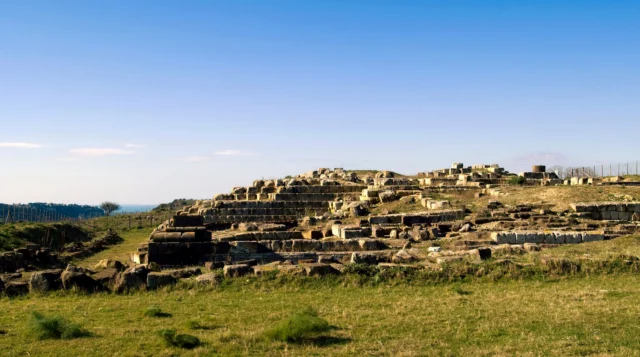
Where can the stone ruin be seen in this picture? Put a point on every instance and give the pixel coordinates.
(320, 220)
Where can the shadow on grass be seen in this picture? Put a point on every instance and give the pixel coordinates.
(325, 341)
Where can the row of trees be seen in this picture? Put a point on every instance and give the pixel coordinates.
(50, 212)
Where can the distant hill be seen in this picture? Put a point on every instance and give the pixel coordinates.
(174, 205)
(34, 211)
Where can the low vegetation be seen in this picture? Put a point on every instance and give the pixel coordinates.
(301, 326)
(154, 311)
(179, 340)
(53, 235)
(55, 327)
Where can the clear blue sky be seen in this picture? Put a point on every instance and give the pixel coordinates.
(146, 101)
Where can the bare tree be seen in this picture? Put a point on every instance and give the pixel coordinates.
(109, 207)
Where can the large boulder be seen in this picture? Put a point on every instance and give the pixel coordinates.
(157, 279)
(133, 278)
(106, 277)
(46, 280)
(77, 278)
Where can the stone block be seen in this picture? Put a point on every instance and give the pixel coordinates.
(348, 233)
(158, 279)
(236, 270)
(312, 234)
(535, 238)
(305, 245)
(317, 269)
(592, 237)
(572, 238)
(500, 237)
(244, 247)
(335, 230)
(368, 244)
(548, 238)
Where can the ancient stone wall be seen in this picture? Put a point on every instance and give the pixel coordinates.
(615, 211)
(521, 237)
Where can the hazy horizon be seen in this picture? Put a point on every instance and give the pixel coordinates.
(152, 101)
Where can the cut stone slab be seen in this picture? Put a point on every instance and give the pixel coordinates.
(236, 270)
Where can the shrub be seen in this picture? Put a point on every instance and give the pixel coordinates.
(154, 311)
(183, 341)
(55, 327)
(517, 180)
(361, 269)
(302, 325)
(3, 332)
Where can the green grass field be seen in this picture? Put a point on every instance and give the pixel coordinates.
(132, 240)
(595, 315)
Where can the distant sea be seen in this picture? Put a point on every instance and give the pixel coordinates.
(136, 208)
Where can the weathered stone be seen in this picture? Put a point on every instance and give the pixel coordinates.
(531, 247)
(364, 258)
(185, 273)
(482, 253)
(403, 256)
(46, 280)
(73, 278)
(16, 288)
(449, 259)
(158, 279)
(236, 270)
(132, 279)
(387, 196)
(108, 263)
(208, 279)
(106, 277)
(317, 269)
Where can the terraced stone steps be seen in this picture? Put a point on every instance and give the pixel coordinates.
(410, 219)
(521, 237)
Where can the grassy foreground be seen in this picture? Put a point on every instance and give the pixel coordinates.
(595, 315)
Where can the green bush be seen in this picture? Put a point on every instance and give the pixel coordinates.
(154, 311)
(517, 180)
(302, 325)
(183, 341)
(55, 327)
